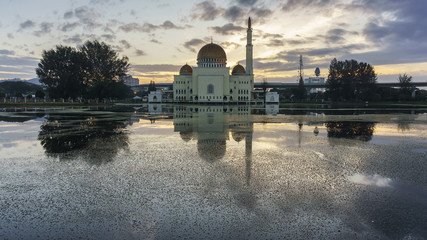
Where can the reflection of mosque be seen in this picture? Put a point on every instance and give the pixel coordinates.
(211, 127)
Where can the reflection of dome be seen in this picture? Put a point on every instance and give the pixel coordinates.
(211, 150)
(211, 55)
(238, 136)
(186, 136)
(186, 70)
(238, 69)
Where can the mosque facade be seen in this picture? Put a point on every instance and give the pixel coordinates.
(211, 82)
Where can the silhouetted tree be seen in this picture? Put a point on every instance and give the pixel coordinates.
(40, 94)
(152, 86)
(350, 80)
(93, 71)
(61, 71)
(102, 68)
(406, 87)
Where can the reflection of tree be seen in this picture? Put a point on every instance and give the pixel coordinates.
(353, 130)
(96, 138)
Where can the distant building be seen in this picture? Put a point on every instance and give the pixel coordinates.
(155, 96)
(315, 80)
(271, 97)
(130, 81)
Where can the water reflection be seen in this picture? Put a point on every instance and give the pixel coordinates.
(94, 136)
(211, 127)
(362, 131)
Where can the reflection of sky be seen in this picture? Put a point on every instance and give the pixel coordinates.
(372, 180)
(17, 139)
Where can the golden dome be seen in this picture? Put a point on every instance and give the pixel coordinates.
(186, 70)
(212, 50)
(238, 69)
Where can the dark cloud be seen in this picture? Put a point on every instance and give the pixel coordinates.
(68, 15)
(125, 44)
(275, 43)
(27, 24)
(76, 39)
(148, 27)
(139, 52)
(155, 41)
(87, 16)
(6, 52)
(228, 29)
(10, 35)
(291, 5)
(337, 35)
(195, 42)
(260, 13)
(69, 26)
(156, 68)
(206, 10)
(246, 2)
(234, 12)
(108, 37)
(45, 28)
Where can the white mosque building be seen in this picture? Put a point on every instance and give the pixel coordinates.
(211, 81)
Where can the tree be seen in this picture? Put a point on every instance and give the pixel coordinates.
(350, 80)
(60, 70)
(102, 67)
(93, 71)
(152, 86)
(2, 94)
(40, 94)
(406, 87)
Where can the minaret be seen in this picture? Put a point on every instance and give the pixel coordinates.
(249, 50)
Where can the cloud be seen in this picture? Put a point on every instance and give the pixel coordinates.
(27, 24)
(10, 35)
(234, 12)
(206, 11)
(195, 42)
(45, 28)
(6, 52)
(337, 35)
(76, 39)
(125, 44)
(246, 2)
(228, 29)
(108, 37)
(69, 26)
(148, 27)
(87, 16)
(261, 12)
(147, 68)
(139, 52)
(291, 5)
(68, 15)
(155, 41)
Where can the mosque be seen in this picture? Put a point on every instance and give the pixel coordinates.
(211, 82)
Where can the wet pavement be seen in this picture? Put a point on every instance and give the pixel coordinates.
(212, 172)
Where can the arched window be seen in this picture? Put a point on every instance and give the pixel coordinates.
(210, 89)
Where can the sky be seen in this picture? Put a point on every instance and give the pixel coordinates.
(159, 36)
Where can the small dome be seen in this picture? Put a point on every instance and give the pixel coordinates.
(238, 69)
(186, 70)
(212, 50)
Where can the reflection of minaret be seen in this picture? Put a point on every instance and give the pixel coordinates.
(299, 133)
(249, 49)
(248, 153)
